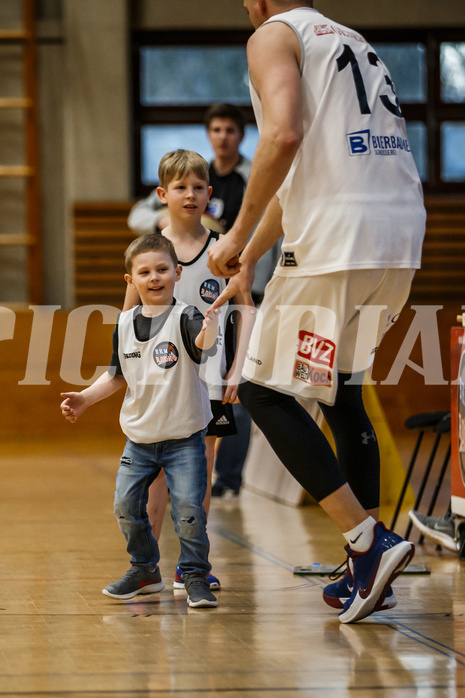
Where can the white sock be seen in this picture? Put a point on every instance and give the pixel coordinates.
(361, 537)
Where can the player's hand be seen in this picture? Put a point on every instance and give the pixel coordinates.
(223, 257)
(240, 284)
(72, 406)
(230, 394)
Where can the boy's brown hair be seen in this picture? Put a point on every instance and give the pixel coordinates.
(148, 243)
(179, 163)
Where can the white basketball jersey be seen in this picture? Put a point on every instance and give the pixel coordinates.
(165, 398)
(352, 198)
(198, 286)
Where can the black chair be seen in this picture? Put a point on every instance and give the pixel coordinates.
(439, 423)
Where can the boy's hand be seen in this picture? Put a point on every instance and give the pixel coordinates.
(208, 333)
(211, 318)
(72, 406)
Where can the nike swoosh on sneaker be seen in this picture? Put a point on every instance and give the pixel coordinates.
(144, 584)
(364, 593)
(354, 541)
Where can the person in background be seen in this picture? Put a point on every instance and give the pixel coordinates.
(228, 173)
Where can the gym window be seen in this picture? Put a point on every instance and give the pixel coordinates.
(177, 75)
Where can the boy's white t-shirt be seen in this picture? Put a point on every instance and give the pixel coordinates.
(165, 398)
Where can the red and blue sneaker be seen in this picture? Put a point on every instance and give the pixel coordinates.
(137, 580)
(213, 581)
(374, 571)
(336, 594)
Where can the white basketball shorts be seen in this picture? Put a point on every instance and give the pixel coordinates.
(309, 328)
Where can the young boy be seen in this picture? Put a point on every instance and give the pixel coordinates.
(184, 188)
(157, 351)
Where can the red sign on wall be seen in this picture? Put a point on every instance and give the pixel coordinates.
(458, 420)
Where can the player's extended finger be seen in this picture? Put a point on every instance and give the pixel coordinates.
(222, 298)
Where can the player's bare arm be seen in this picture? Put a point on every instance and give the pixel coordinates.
(233, 376)
(245, 322)
(274, 58)
(74, 404)
(268, 231)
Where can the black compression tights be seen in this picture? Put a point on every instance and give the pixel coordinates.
(305, 451)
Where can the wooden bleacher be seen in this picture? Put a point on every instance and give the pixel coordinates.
(101, 236)
(443, 262)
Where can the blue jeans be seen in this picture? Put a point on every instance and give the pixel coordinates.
(185, 466)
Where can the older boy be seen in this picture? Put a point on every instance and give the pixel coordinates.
(157, 350)
(185, 190)
(228, 173)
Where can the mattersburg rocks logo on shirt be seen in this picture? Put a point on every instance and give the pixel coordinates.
(364, 143)
(165, 355)
(209, 291)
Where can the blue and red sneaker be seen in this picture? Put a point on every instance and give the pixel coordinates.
(213, 581)
(374, 571)
(137, 580)
(336, 594)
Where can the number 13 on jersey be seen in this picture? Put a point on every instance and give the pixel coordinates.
(348, 58)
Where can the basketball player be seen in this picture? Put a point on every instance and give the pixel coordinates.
(333, 148)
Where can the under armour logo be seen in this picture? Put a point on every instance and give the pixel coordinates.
(366, 437)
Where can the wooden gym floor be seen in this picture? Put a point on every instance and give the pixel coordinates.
(271, 634)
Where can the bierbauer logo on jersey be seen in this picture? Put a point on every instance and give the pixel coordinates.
(165, 355)
(363, 143)
(389, 145)
(359, 142)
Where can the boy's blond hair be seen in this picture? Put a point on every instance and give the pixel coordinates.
(148, 243)
(179, 163)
